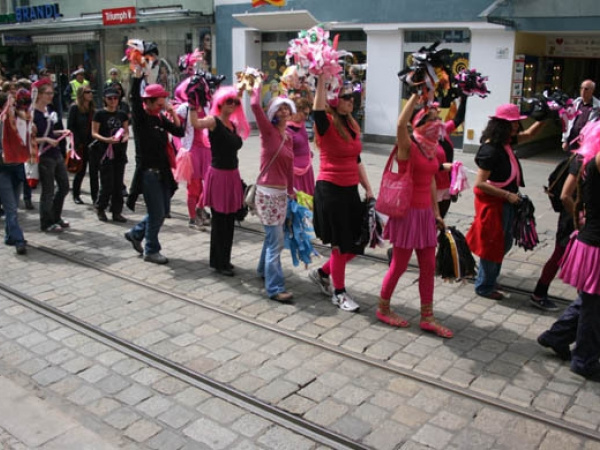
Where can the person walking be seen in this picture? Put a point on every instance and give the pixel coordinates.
(227, 129)
(496, 193)
(274, 185)
(79, 123)
(416, 231)
(110, 128)
(304, 176)
(51, 161)
(338, 210)
(153, 175)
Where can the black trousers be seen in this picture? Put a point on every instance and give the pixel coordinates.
(221, 239)
(111, 185)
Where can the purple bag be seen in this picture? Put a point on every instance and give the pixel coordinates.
(396, 189)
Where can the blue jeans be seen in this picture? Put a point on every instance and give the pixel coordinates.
(52, 168)
(26, 187)
(269, 265)
(586, 354)
(157, 198)
(10, 190)
(488, 273)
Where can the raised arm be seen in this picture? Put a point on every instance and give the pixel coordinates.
(402, 134)
(262, 122)
(320, 95)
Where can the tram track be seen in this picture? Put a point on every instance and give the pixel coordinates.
(295, 423)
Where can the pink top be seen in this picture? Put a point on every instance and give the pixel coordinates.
(339, 158)
(281, 171)
(424, 169)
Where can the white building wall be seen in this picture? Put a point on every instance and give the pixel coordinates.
(492, 54)
(384, 59)
(246, 53)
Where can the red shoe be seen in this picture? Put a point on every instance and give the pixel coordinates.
(435, 327)
(392, 319)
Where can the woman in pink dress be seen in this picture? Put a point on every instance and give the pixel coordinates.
(417, 229)
(304, 176)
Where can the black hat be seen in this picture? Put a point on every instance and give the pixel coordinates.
(111, 92)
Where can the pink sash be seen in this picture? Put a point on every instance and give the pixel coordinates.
(514, 170)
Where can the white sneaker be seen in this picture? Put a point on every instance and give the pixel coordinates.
(195, 224)
(323, 283)
(345, 302)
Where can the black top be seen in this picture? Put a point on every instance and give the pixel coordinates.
(224, 145)
(151, 133)
(110, 122)
(80, 124)
(45, 128)
(590, 233)
(494, 159)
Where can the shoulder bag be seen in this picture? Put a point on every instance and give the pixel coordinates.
(396, 189)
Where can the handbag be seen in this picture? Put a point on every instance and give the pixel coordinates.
(250, 192)
(396, 189)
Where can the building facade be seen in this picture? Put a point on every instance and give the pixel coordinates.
(69, 34)
(524, 46)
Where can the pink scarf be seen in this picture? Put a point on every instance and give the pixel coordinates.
(427, 136)
(514, 170)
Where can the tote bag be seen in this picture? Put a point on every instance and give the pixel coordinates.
(396, 189)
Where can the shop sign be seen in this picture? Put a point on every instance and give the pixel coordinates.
(118, 16)
(573, 46)
(31, 13)
(8, 40)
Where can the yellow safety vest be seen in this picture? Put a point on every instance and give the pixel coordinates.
(76, 85)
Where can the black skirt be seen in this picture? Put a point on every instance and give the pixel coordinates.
(338, 213)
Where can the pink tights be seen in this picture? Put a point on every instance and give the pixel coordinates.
(400, 258)
(195, 198)
(336, 267)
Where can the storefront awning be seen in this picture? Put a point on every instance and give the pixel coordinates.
(278, 20)
(83, 36)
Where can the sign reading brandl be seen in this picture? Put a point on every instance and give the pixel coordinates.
(31, 13)
(118, 16)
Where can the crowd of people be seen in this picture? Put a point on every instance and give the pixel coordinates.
(210, 125)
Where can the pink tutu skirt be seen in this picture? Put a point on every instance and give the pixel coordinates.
(201, 158)
(223, 190)
(580, 267)
(413, 231)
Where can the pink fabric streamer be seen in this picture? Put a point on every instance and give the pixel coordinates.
(458, 178)
(184, 169)
(589, 138)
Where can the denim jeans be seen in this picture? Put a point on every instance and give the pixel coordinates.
(488, 270)
(52, 168)
(587, 349)
(10, 188)
(269, 265)
(157, 198)
(26, 187)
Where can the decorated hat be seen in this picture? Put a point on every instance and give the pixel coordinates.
(508, 112)
(154, 91)
(78, 72)
(276, 104)
(38, 84)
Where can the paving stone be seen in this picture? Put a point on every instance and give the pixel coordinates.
(148, 376)
(250, 425)
(121, 418)
(191, 396)
(352, 427)
(142, 430)
(169, 386)
(76, 365)
(33, 365)
(220, 410)
(371, 414)
(102, 406)
(410, 416)
(473, 439)
(94, 373)
(113, 384)
(296, 404)
(154, 406)
(278, 438)
(49, 375)
(127, 366)
(85, 395)
(352, 395)
(177, 416)
(134, 394)
(210, 433)
(276, 391)
(326, 412)
(432, 437)
(166, 440)
(389, 436)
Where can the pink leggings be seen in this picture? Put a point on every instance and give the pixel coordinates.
(400, 258)
(195, 199)
(336, 267)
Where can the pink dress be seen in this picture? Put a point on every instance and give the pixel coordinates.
(417, 228)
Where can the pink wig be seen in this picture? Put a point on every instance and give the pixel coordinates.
(238, 117)
(590, 141)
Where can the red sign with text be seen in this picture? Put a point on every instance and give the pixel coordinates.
(118, 16)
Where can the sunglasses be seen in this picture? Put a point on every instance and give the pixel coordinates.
(233, 101)
(347, 97)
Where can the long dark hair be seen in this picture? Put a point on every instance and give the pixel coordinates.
(497, 132)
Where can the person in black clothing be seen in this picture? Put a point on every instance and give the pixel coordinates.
(110, 128)
(153, 176)
(80, 124)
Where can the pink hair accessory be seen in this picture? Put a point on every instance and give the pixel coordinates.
(589, 137)
(237, 117)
